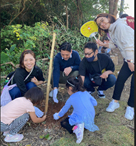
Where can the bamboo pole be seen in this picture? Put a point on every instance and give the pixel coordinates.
(50, 72)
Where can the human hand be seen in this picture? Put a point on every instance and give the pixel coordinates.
(55, 116)
(104, 75)
(67, 71)
(38, 112)
(100, 43)
(34, 80)
(131, 66)
(44, 117)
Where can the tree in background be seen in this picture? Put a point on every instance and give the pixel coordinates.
(113, 7)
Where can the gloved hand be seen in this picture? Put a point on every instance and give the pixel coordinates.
(55, 116)
(53, 94)
(38, 112)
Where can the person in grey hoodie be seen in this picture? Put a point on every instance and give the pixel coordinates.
(121, 36)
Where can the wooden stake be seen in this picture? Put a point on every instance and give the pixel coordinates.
(50, 72)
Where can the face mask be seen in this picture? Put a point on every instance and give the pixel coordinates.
(90, 59)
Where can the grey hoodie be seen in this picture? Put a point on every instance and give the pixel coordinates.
(123, 36)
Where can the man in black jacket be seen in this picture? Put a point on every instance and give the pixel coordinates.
(94, 64)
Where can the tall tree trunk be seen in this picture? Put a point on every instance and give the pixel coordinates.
(121, 7)
(67, 17)
(113, 7)
(78, 14)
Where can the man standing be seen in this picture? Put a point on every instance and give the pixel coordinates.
(96, 64)
(66, 64)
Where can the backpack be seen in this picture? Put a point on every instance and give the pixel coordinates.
(130, 21)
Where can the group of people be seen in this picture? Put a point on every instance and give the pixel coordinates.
(79, 77)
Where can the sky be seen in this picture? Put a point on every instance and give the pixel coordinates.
(130, 10)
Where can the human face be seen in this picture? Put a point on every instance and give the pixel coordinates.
(66, 54)
(89, 53)
(69, 90)
(29, 62)
(103, 23)
(106, 41)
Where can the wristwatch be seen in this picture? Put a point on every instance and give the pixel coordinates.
(130, 61)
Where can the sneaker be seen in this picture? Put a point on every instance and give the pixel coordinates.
(79, 131)
(129, 113)
(13, 138)
(100, 94)
(112, 106)
(5, 133)
(90, 92)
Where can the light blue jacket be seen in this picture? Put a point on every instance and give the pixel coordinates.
(83, 104)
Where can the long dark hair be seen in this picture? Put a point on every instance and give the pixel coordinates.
(21, 63)
(35, 94)
(76, 83)
(112, 19)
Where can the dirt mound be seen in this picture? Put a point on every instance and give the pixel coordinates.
(52, 108)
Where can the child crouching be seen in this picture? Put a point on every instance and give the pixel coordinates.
(15, 114)
(83, 114)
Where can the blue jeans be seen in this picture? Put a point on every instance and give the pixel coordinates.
(104, 86)
(15, 92)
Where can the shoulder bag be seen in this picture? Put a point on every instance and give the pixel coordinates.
(5, 96)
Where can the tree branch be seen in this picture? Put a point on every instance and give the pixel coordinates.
(18, 13)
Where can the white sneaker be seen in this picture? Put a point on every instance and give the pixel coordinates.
(5, 133)
(112, 106)
(79, 132)
(101, 94)
(13, 138)
(129, 113)
(90, 92)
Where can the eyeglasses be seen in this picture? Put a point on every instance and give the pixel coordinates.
(101, 21)
(88, 54)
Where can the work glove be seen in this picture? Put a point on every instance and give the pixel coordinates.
(38, 112)
(53, 94)
(55, 116)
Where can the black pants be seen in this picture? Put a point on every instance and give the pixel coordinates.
(124, 74)
(65, 124)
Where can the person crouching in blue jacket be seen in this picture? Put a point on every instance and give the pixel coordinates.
(65, 64)
(83, 114)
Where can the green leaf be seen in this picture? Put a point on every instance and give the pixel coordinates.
(41, 136)
(4, 57)
(12, 47)
(47, 136)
